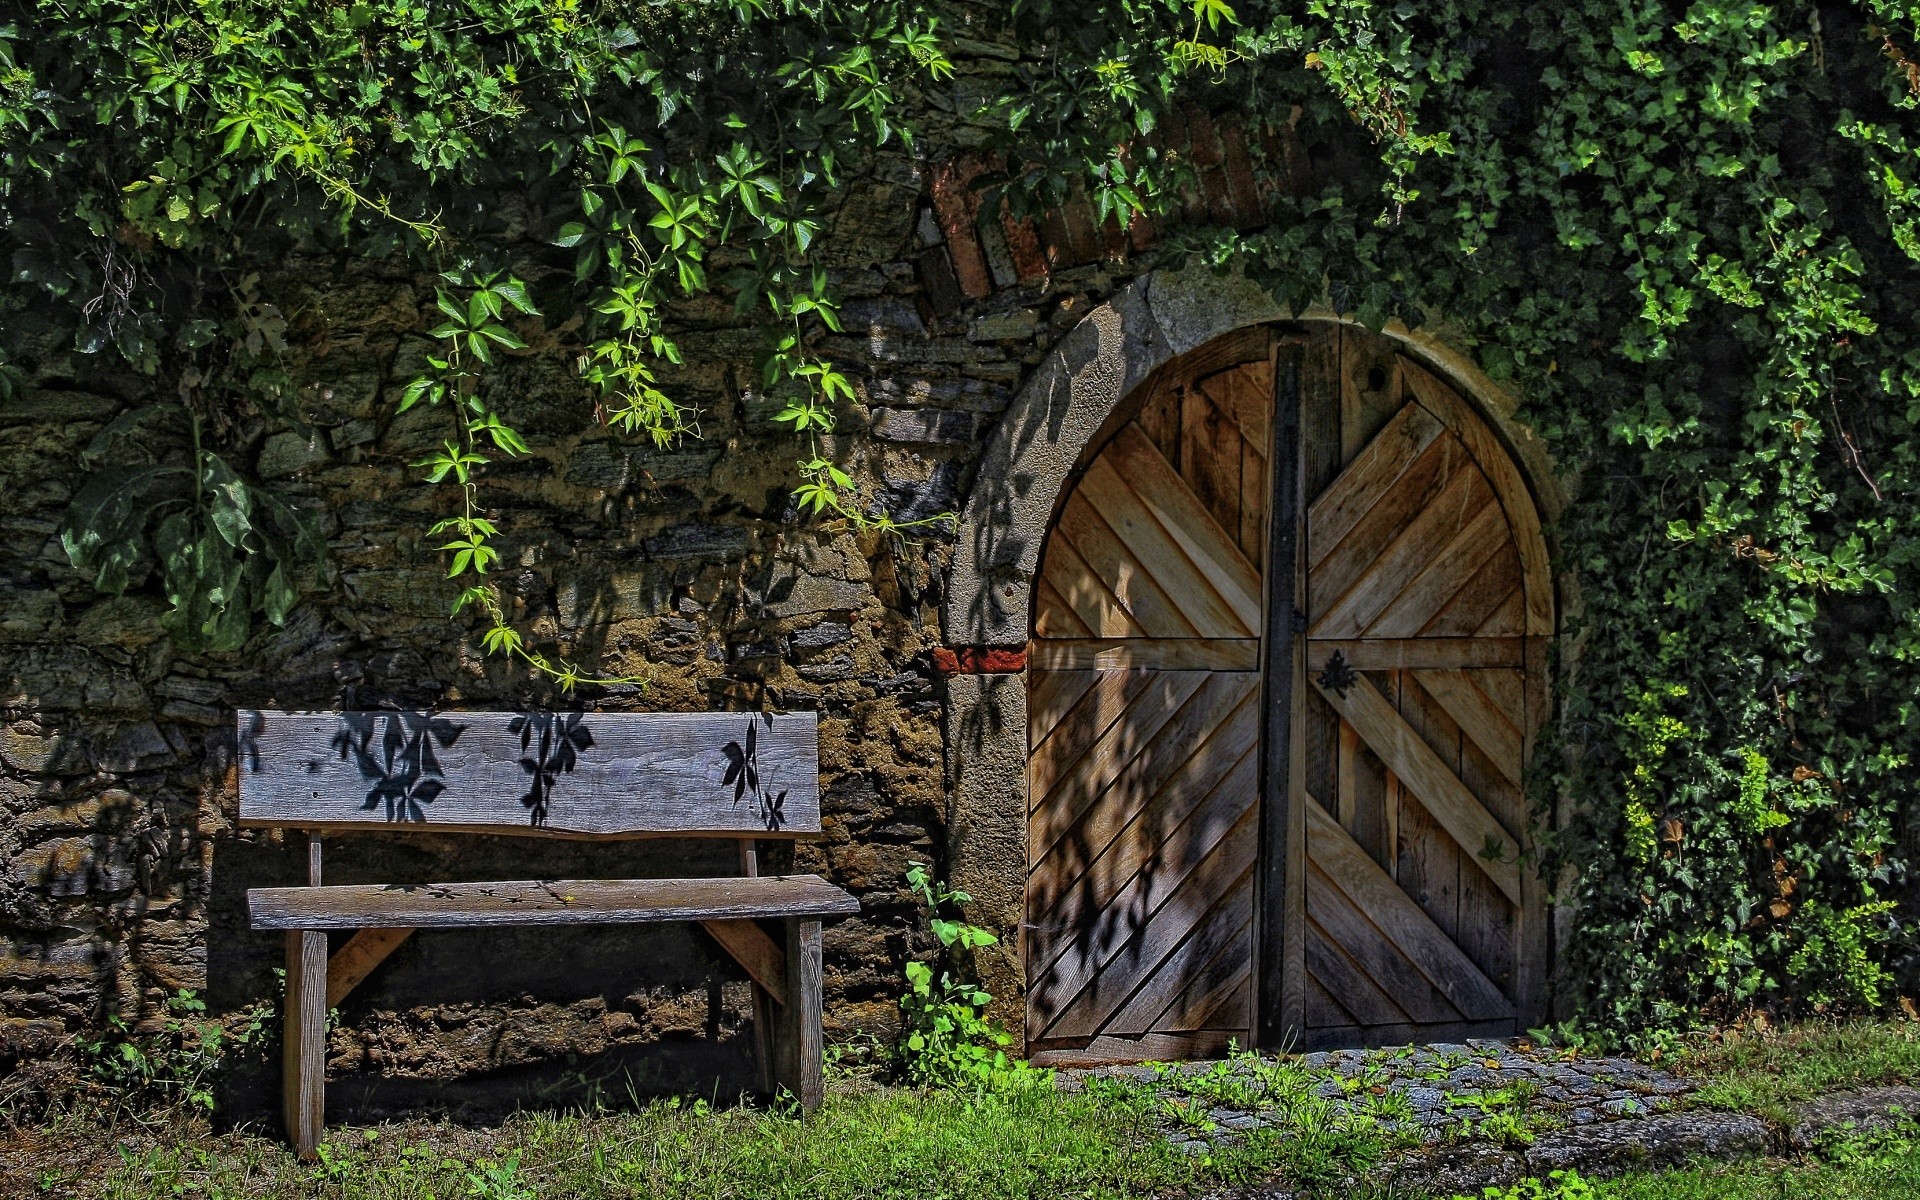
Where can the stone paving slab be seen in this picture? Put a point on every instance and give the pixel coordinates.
(1440, 1091)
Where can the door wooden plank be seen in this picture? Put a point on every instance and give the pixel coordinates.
(1454, 569)
(1159, 419)
(1223, 926)
(1092, 601)
(1369, 387)
(1214, 988)
(1053, 617)
(1416, 653)
(1345, 867)
(1210, 457)
(1152, 654)
(1064, 803)
(1423, 485)
(1322, 1010)
(1051, 695)
(1506, 691)
(1209, 583)
(1087, 1009)
(1511, 488)
(1477, 717)
(1376, 952)
(1255, 487)
(1470, 607)
(1129, 580)
(1341, 506)
(1094, 918)
(1423, 539)
(1080, 729)
(1358, 998)
(1508, 619)
(1165, 814)
(1157, 487)
(1244, 395)
(1420, 770)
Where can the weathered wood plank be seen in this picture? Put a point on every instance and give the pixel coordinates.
(802, 1066)
(1432, 782)
(1420, 489)
(1092, 602)
(1211, 549)
(1064, 748)
(1378, 468)
(542, 773)
(1051, 695)
(1493, 458)
(1210, 457)
(1470, 607)
(1359, 999)
(1227, 924)
(545, 902)
(1148, 654)
(1206, 581)
(1053, 616)
(1345, 867)
(1417, 653)
(1374, 951)
(353, 962)
(1477, 716)
(1453, 570)
(1152, 1047)
(1420, 540)
(1130, 581)
(304, 1053)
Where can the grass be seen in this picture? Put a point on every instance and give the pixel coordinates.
(868, 1144)
(878, 1143)
(1765, 1071)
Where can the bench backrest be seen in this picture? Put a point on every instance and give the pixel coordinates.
(564, 774)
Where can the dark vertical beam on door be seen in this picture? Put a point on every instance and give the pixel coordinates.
(1280, 894)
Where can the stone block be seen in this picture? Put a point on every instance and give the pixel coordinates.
(799, 594)
(136, 748)
(600, 465)
(697, 541)
(291, 453)
(1019, 324)
(923, 425)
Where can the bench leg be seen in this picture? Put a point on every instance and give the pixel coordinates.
(304, 1067)
(800, 1050)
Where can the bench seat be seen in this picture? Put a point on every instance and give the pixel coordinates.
(546, 902)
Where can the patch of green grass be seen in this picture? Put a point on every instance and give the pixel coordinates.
(1764, 1071)
(873, 1144)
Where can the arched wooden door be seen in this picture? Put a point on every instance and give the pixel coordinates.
(1191, 881)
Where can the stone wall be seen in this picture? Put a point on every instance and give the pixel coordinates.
(122, 876)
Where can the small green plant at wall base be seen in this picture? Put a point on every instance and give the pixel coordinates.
(1560, 1185)
(948, 1041)
(172, 1060)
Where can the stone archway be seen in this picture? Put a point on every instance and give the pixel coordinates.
(1068, 406)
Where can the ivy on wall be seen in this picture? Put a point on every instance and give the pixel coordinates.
(1687, 233)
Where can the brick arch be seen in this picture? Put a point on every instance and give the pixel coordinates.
(1065, 408)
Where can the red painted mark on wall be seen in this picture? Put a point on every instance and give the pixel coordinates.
(979, 660)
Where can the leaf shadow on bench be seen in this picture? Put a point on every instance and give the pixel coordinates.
(396, 753)
(747, 776)
(550, 746)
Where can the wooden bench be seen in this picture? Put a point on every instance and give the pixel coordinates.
(590, 776)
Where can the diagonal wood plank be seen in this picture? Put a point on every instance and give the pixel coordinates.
(1359, 998)
(1418, 543)
(1061, 807)
(1053, 617)
(1471, 606)
(1225, 924)
(1212, 602)
(1344, 865)
(1092, 601)
(1493, 458)
(1417, 489)
(1136, 873)
(1130, 580)
(1456, 567)
(1432, 782)
(1348, 498)
(1051, 695)
(1477, 717)
(1211, 549)
(1091, 718)
(1374, 951)
(1226, 872)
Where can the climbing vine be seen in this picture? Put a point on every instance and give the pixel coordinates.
(1687, 233)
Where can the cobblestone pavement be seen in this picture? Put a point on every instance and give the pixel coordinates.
(1424, 1093)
